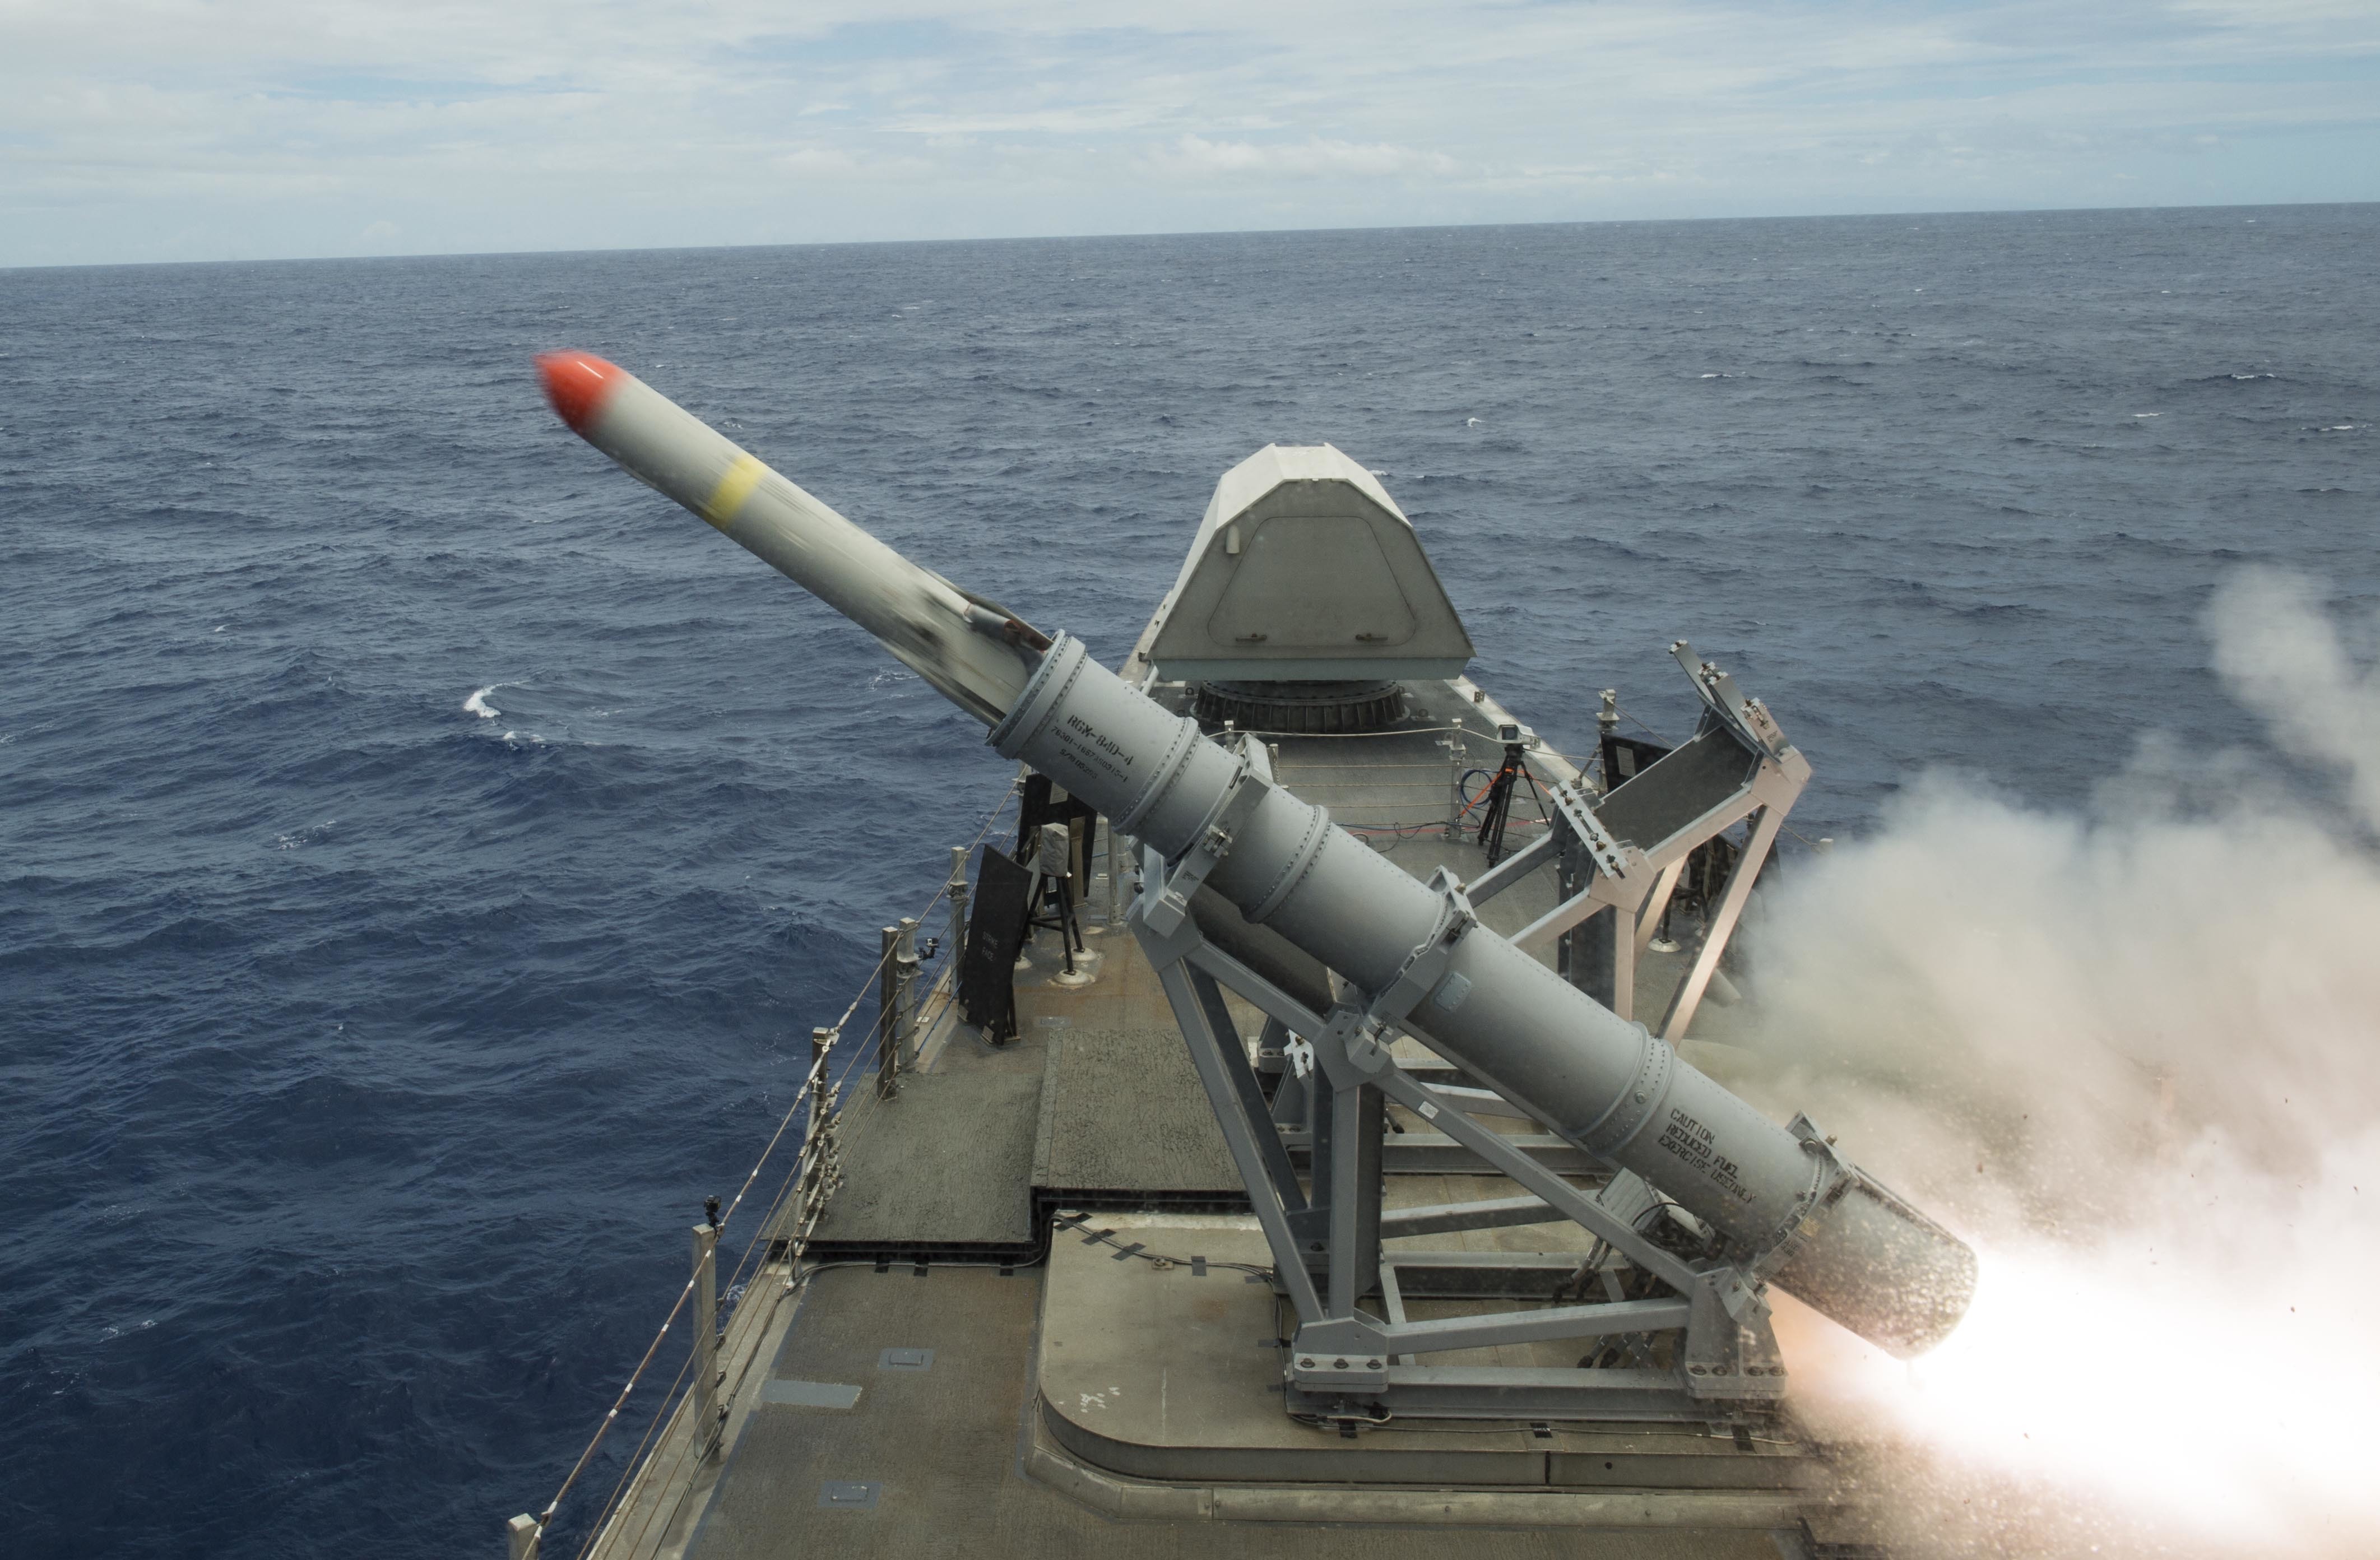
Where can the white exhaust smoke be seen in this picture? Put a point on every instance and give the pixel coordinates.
(2135, 1055)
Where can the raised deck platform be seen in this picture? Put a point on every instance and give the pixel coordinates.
(1173, 1373)
(951, 1460)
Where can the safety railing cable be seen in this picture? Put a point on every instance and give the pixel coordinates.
(821, 1070)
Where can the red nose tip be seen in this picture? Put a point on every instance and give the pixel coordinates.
(578, 384)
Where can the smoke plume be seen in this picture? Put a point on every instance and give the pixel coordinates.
(2134, 1056)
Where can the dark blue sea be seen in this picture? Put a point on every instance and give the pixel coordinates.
(424, 851)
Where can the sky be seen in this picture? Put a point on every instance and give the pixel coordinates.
(143, 130)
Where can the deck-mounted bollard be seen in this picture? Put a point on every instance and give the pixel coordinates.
(520, 1538)
(705, 1404)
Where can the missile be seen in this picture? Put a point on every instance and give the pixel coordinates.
(1787, 1208)
(976, 652)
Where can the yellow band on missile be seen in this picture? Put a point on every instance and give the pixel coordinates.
(733, 488)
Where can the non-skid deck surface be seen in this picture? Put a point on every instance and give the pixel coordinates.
(1122, 1109)
(943, 1447)
(944, 1163)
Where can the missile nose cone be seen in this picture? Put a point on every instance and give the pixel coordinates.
(577, 383)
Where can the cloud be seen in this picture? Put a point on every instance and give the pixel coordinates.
(1197, 157)
(827, 163)
(295, 123)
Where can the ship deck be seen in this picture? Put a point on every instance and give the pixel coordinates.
(974, 1363)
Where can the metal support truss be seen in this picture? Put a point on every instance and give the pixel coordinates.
(1358, 1365)
(1626, 857)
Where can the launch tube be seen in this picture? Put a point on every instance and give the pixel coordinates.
(1788, 1207)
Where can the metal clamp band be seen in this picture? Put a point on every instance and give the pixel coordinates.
(1213, 842)
(1425, 965)
(1300, 862)
(1629, 1113)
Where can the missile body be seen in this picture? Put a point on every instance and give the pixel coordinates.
(1786, 1206)
(935, 628)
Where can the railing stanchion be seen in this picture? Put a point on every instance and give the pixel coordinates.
(816, 1178)
(906, 963)
(887, 1003)
(705, 1405)
(1459, 753)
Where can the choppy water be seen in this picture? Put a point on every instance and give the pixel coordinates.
(422, 850)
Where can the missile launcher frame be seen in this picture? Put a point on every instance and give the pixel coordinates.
(1254, 1241)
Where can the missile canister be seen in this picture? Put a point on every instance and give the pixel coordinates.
(1788, 1207)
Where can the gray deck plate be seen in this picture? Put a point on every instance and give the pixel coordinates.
(1123, 1108)
(1159, 1373)
(944, 1162)
(943, 1447)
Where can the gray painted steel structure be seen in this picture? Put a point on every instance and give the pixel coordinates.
(1788, 1207)
(1414, 956)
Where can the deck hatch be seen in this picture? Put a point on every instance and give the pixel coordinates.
(810, 1393)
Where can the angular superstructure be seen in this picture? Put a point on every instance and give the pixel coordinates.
(1305, 570)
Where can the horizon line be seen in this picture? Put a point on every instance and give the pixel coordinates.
(1194, 233)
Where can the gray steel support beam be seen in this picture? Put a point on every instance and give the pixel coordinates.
(1722, 925)
(1449, 1333)
(1247, 1093)
(1354, 1195)
(1239, 1134)
(1477, 1101)
(1537, 853)
(1392, 1301)
(1648, 923)
(1477, 1392)
(1436, 1153)
(1549, 1187)
(1444, 1218)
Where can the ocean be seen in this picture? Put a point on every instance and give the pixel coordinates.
(424, 851)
